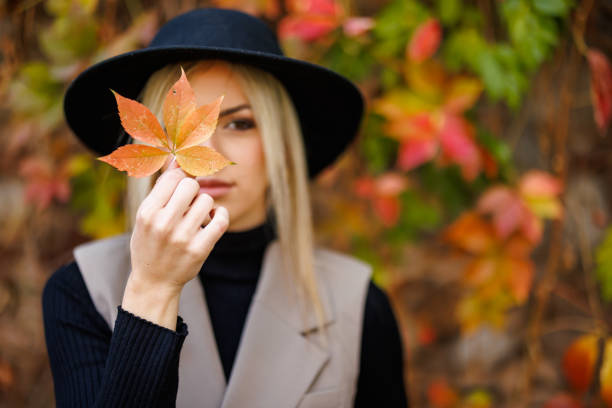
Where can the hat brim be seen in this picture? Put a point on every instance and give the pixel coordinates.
(329, 106)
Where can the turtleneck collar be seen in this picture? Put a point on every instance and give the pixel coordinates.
(252, 239)
(237, 255)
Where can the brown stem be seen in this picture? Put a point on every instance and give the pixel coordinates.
(549, 279)
(578, 25)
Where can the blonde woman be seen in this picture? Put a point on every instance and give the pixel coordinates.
(217, 296)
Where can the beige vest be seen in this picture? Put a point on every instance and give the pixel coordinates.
(280, 361)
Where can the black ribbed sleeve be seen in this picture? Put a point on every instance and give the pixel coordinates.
(135, 365)
(381, 373)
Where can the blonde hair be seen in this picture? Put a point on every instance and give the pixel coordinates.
(288, 193)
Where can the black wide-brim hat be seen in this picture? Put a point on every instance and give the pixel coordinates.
(329, 106)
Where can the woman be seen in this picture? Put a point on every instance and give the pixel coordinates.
(271, 321)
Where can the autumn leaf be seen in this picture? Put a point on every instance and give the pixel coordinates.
(441, 395)
(187, 126)
(579, 362)
(310, 19)
(383, 192)
(523, 208)
(563, 400)
(601, 87)
(425, 40)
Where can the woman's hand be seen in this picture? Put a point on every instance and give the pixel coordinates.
(169, 245)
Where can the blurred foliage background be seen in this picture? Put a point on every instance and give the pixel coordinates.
(478, 186)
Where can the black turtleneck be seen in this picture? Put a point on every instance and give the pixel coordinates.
(136, 364)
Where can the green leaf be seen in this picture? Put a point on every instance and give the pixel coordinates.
(69, 38)
(603, 269)
(449, 11)
(492, 73)
(350, 58)
(394, 25)
(557, 8)
(378, 150)
(37, 95)
(418, 215)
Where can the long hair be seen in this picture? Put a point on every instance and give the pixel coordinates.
(288, 194)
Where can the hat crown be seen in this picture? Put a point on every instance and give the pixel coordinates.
(216, 27)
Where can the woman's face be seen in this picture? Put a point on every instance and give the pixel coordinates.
(238, 139)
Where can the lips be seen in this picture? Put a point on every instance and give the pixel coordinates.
(214, 183)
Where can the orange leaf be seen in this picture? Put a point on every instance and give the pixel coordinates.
(186, 128)
(201, 160)
(179, 103)
(137, 159)
(199, 125)
(471, 233)
(441, 395)
(579, 362)
(139, 122)
(520, 277)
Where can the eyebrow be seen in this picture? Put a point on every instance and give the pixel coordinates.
(234, 109)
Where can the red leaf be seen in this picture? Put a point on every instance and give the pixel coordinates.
(307, 27)
(579, 362)
(425, 40)
(426, 333)
(458, 145)
(506, 208)
(417, 126)
(412, 153)
(601, 87)
(364, 187)
(328, 7)
(388, 209)
(563, 401)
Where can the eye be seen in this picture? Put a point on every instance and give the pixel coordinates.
(241, 124)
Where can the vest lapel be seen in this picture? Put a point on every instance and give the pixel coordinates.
(201, 377)
(275, 362)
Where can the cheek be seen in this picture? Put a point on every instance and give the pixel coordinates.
(249, 154)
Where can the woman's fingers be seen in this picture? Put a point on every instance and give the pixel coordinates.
(197, 215)
(206, 237)
(186, 190)
(162, 190)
